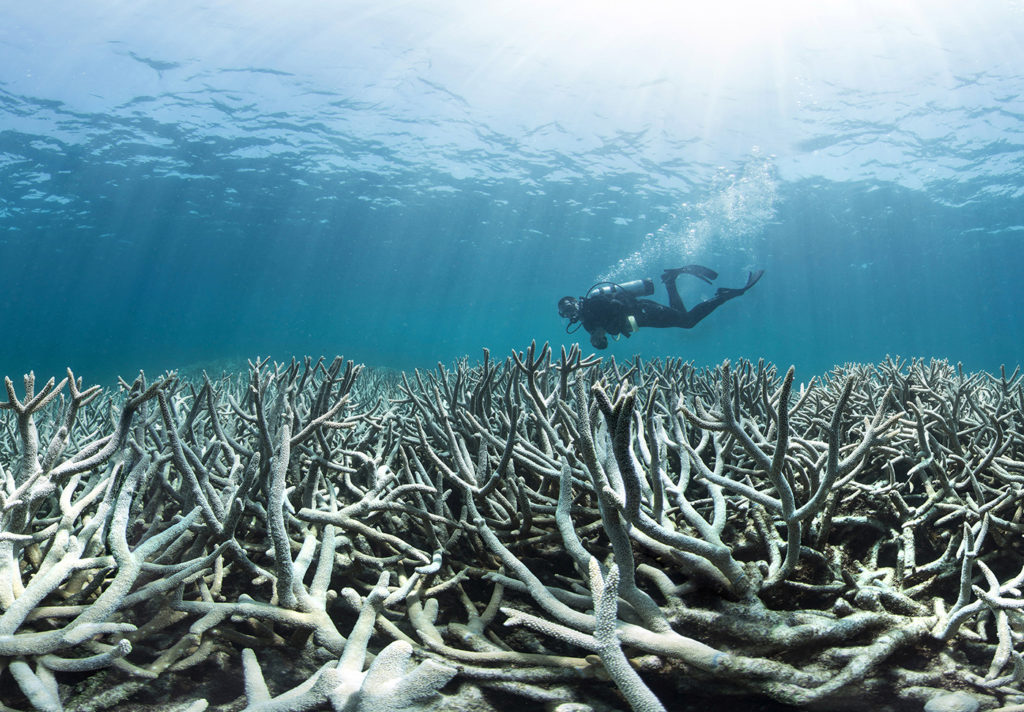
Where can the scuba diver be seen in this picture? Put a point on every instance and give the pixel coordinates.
(609, 308)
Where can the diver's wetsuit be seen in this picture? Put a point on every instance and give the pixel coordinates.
(611, 312)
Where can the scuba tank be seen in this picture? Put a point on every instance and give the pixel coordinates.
(636, 288)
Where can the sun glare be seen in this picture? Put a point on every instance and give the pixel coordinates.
(711, 29)
(738, 32)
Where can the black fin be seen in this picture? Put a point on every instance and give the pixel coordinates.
(730, 292)
(699, 271)
(752, 279)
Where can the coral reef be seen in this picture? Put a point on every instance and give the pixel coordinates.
(568, 534)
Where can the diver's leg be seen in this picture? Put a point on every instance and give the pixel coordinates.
(669, 278)
(657, 315)
(674, 300)
(661, 316)
(688, 319)
(723, 295)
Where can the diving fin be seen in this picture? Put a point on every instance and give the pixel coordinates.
(752, 279)
(698, 271)
(729, 293)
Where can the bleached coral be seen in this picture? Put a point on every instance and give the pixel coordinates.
(568, 531)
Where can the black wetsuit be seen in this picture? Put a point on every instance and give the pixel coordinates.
(611, 311)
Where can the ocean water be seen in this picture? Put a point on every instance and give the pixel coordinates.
(411, 182)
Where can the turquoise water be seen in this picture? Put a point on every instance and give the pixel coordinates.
(407, 183)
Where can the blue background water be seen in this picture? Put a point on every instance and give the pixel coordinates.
(406, 183)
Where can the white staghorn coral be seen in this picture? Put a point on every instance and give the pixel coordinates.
(570, 531)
